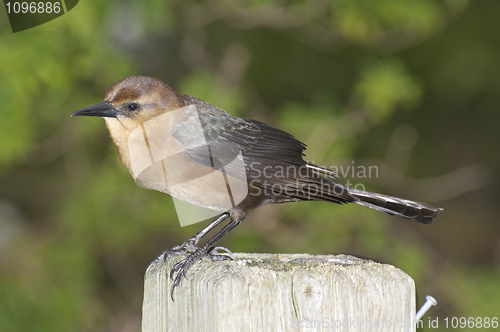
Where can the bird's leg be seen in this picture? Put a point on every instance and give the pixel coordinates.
(205, 251)
(190, 245)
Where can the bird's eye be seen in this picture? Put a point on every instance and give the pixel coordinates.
(133, 107)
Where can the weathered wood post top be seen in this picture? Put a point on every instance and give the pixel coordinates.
(278, 292)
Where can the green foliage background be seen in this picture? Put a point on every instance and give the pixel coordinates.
(412, 87)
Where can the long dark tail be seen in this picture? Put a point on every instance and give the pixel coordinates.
(422, 212)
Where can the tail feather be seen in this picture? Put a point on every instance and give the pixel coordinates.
(422, 212)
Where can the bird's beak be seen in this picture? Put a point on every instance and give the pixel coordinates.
(103, 109)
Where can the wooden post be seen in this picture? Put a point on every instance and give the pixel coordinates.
(277, 292)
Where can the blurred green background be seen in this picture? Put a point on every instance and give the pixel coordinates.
(412, 87)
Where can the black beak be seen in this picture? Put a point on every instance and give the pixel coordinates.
(103, 109)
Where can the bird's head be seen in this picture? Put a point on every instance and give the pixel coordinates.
(133, 101)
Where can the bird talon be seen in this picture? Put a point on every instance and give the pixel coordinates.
(188, 246)
(174, 269)
(180, 269)
(220, 258)
(215, 250)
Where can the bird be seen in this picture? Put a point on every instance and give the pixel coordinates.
(198, 153)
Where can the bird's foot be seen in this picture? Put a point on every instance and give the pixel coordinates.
(189, 246)
(183, 266)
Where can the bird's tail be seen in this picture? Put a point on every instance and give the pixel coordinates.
(395, 206)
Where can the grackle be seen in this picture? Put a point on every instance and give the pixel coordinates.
(198, 153)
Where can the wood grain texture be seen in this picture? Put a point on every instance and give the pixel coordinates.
(276, 292)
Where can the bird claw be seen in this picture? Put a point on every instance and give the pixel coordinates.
(183, 266)
(215, 250)
(188, 246)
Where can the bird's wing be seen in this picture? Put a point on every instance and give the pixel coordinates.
(269, 156)
(216, 139)
(274, 162)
